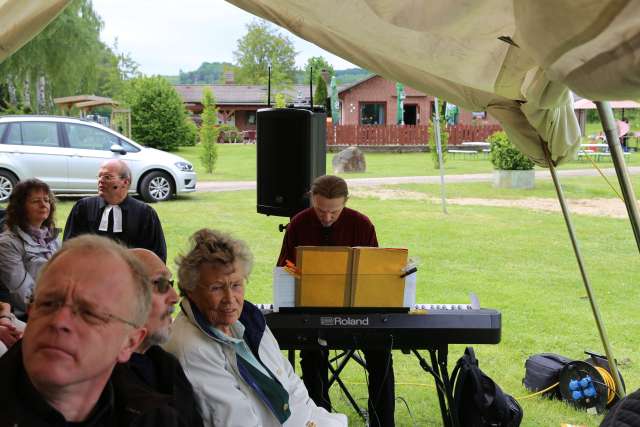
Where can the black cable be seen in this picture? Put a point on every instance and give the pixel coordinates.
(402, 399)
(384, 379)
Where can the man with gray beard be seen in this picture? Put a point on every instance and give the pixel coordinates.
(150, 366)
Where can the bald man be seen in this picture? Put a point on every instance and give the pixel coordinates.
(115, 214)
(150, 366)
(91, 302)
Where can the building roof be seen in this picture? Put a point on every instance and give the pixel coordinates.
(585, 104)
(342, 88)
(235, 94)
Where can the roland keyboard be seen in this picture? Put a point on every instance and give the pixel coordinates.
(425, 326)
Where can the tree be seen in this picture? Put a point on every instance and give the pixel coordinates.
(66, 58)
(260, 47)
(63, 57)
(318, 63)
(209, 131)
(158, 116)
(433, 148)
(320, 97)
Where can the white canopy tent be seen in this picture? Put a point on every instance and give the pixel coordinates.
(22, 20)
(516, 59)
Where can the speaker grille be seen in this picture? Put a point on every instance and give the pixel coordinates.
(291, 154)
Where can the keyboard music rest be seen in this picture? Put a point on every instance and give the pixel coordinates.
(374, 330)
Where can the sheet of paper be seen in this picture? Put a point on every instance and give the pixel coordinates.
(284, 289)
(409, 290)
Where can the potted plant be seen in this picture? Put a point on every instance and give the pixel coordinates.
(513, 169)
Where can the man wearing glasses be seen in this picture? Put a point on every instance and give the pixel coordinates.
(150, 366)
(91, 301)
(114, 214)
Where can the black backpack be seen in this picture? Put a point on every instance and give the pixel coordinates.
(542, 371)
(478, 400)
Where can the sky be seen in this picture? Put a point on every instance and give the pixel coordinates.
(166, 36)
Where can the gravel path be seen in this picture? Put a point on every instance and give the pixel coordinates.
(355, 182)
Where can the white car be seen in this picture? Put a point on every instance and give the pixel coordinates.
(66, 153)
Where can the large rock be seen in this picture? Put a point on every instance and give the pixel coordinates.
(349, 160)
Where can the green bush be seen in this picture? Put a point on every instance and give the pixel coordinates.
(191, 137)
(230, 134)
(505, 156)
(158, 116)
(444, 140)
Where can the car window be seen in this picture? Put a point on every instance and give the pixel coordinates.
(128, 147)
(14, 137)
(89, 138)
(3, 127)
(38, 134)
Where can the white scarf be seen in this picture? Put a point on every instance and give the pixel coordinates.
(117, 219)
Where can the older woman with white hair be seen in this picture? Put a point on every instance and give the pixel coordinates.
(232, 359)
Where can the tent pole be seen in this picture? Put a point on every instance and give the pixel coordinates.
(611, 131)
(436, 125)
(585, 279)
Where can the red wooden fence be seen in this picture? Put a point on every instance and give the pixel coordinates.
(402, 135)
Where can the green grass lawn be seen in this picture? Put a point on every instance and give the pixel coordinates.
(517, 261)
(237, 162)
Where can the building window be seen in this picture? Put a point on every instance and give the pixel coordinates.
(251, 118)
(372, 113)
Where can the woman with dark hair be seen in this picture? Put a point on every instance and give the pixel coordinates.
(28, 241)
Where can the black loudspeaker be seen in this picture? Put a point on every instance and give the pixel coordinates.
(291, 154)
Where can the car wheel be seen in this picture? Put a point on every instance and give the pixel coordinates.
(7, 184)
(156, 187)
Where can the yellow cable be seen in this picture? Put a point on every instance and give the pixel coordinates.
(538, 392)
(608, 381)
(605, 178)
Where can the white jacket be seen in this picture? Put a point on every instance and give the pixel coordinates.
(223, 397)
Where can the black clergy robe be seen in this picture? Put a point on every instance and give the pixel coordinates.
(141, 226)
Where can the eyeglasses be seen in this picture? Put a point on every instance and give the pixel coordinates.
(162, 284)
(108, 178)
(219, 288)
(88, 315)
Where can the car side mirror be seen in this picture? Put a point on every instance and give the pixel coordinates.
(117, 148)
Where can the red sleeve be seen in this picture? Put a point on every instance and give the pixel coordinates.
(288, 251)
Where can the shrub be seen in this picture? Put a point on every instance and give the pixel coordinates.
(191, 137)
(158, 116)
(505, 156)
(209, 131)
(229, 134)
(444, 139)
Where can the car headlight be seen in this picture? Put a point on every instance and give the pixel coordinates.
(184, 166)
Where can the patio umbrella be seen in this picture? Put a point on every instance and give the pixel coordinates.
(400, 110)
(335, 102)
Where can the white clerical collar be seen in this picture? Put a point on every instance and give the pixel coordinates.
(117, 219)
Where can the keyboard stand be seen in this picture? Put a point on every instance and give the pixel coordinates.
(437, 369)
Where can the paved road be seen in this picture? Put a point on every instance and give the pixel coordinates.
(363, 182)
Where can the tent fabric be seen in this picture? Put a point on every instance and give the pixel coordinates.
(21, 20)
(517, 59)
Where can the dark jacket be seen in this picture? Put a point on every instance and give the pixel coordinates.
(171, 383)
(625, 413)
(21, 405)
(141, 226)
